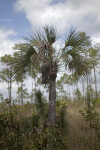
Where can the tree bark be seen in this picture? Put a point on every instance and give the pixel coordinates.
(52, 102)
(83, 88)
(87, 88)
(22, 92)
(10, 92)
(32, 93)
(18, 95)
(95, 81)
(10, 87)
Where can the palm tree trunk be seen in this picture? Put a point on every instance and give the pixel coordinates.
(52, 102)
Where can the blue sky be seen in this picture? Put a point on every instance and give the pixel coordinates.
(10, 19)
(20, 17)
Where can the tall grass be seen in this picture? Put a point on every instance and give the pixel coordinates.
(26, 127)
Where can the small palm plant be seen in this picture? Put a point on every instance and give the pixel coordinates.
(39, 53)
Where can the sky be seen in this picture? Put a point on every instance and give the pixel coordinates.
(18, 18)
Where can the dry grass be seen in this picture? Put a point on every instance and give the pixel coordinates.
(80, 136)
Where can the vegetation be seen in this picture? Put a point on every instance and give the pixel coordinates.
(69, 118)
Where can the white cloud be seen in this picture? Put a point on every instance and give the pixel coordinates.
(4, 33)
(82, 14)
(96, 38)
(5, 43)
(41, 13)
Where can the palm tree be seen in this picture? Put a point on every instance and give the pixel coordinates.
(39, 51)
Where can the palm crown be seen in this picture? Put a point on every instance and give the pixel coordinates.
(39, 50)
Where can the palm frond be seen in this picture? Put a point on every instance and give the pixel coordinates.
(34, 39)
(74, 40)
(77, 63)
(72, 52)
(23, 61)
(51, 34)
